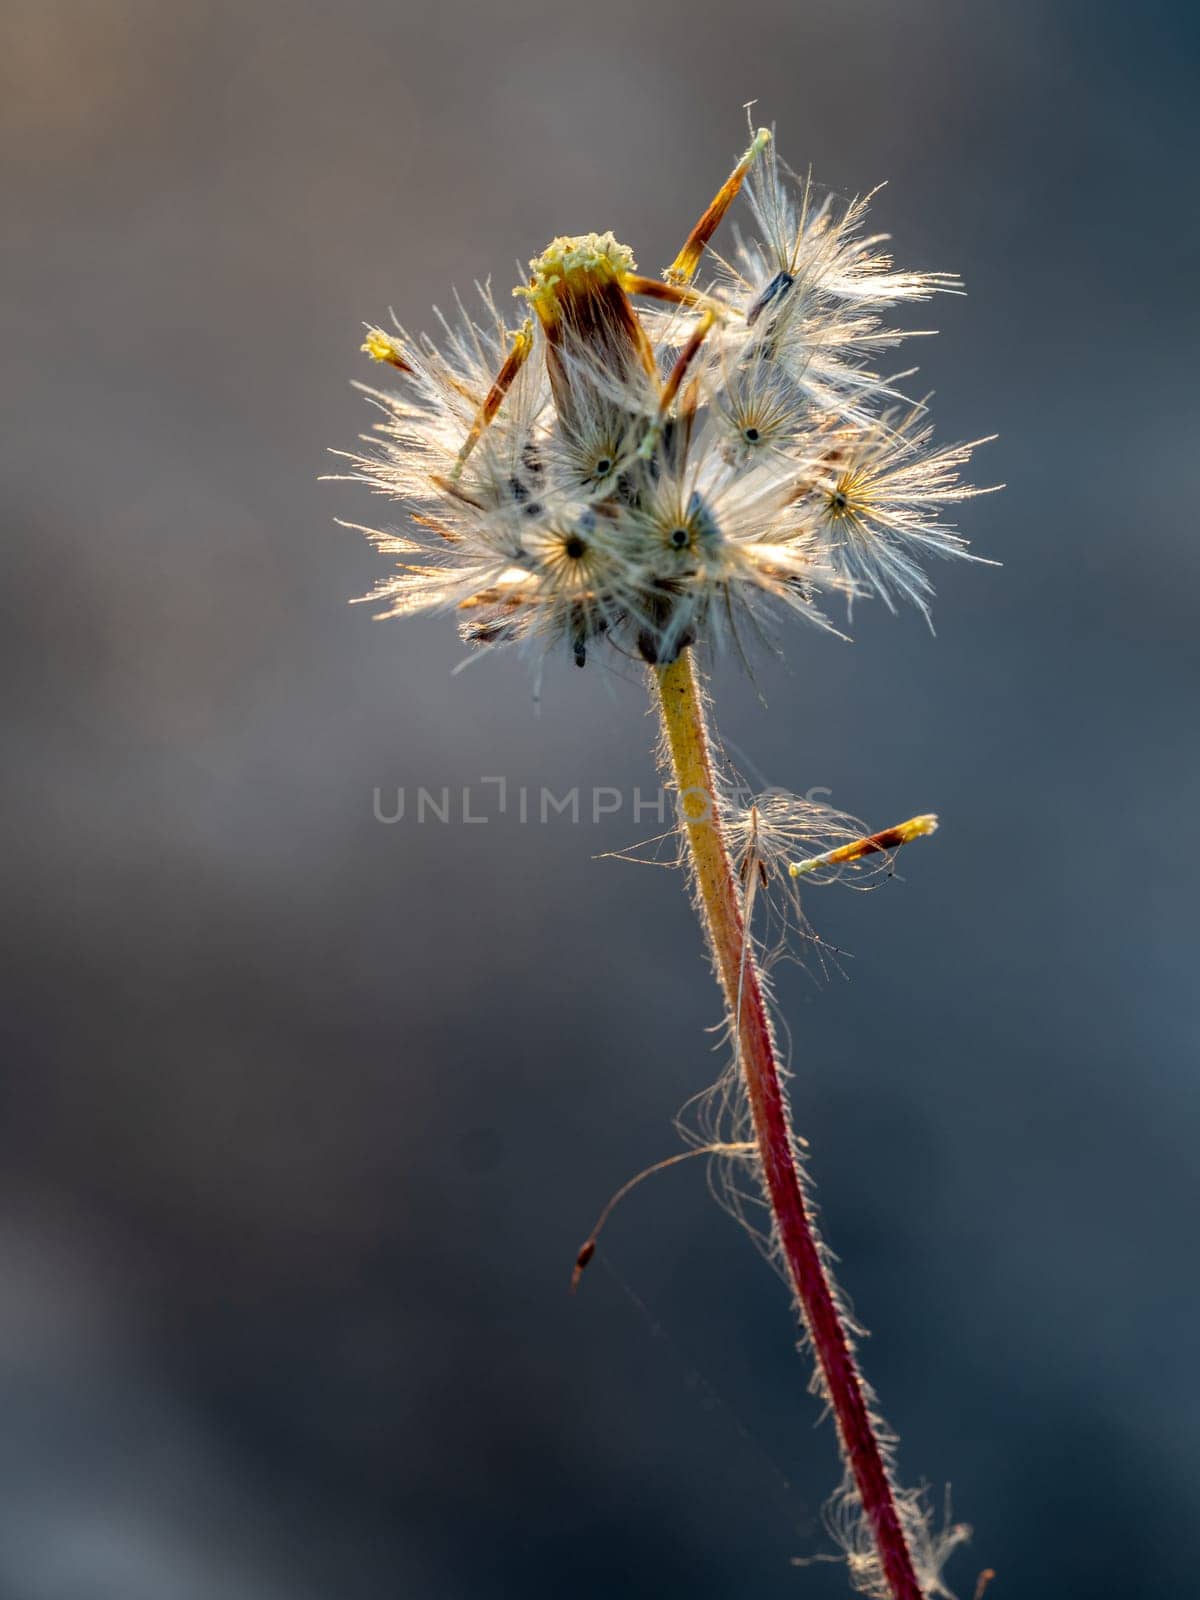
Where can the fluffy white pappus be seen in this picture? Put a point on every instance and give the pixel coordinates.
(657, 463)
(725, 544)
(929, 1546)
(877, 501)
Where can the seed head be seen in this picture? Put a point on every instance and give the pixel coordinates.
(654, 463)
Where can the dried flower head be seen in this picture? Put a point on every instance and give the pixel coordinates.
(652, 462)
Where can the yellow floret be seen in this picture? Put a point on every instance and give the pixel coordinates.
(382, 346)
(574, 262)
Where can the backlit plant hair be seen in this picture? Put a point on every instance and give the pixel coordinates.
(659, 465)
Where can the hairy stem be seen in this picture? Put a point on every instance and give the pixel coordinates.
(688, 744)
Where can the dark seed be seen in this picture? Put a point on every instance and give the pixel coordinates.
(775, 290)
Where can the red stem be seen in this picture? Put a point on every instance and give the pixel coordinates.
(688, 743)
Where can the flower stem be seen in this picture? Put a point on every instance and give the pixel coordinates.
(689, 747)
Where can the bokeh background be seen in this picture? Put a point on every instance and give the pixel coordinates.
(303, 1116)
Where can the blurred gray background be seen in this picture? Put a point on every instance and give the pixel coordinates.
(304, 1116)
